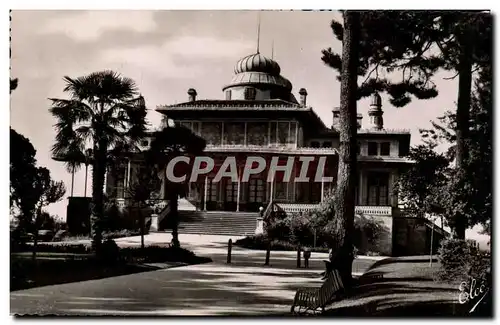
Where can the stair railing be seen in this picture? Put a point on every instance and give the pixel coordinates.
(164, 205)
(261, 219)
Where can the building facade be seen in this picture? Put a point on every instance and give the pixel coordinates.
(260, 116)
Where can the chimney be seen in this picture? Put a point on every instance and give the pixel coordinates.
(336, 118)
(375, 112)
(192, 94)
(359, 120)
(303, 96)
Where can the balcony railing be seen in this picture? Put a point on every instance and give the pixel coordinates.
(286, 148)
(367, 210)
(374, 210)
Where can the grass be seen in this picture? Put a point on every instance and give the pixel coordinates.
(75, 263)
(106, 235)
(407, 289)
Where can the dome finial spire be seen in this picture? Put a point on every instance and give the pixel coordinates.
(258, 35)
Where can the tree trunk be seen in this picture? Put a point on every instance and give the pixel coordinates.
(463, 115)
(345, 192)
(174, 217)
(141, 220)
(97, 205)
(35, 233)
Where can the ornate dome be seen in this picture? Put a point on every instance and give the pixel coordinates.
(376, 100)
(261, 78)
(257, 63)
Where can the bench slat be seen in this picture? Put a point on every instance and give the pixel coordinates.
(315, 298)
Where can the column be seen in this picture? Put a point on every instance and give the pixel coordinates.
(238, 192)
(222, 135)
(322, 189)
(205, 194)
(296, 135)
(360, 188)
(245, 135)
(106, 182)
(271, 191)
(288, 138)
(269, 133)
(128, 173)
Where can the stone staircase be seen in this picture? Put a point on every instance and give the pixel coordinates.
(218, 223)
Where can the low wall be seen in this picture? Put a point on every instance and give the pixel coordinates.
(412, 236)
(376, 238)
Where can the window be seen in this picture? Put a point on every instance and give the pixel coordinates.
(231, 191)
(273, 132)
(196, 127)
(211, 190)
(385, 149)
(256, 190)
(250, 93)
(378, 188)
(283, 128)
(315, 144)
(327, 144)
(228, 94)
(358, 148)
(234, 133)
(372, 148)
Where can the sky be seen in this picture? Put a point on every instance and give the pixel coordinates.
(168, 52)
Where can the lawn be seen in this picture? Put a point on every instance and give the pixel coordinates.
(408, 288)
(66, 266)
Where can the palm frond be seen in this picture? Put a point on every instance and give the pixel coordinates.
(73, 110)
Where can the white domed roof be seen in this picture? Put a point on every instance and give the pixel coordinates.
(258, 70)
(257, 63)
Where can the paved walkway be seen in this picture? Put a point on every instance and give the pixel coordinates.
(245, 287)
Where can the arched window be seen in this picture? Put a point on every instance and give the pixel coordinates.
(327, 144)
(228, 94)
(250, 93)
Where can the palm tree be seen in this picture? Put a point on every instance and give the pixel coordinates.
(168, 143)
(104, 111)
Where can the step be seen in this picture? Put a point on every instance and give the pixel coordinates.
(217, 222)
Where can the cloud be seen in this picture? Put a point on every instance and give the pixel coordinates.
(182, 57)
(89, 25)
(207, 47)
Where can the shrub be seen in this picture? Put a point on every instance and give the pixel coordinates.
(158, 254)
(109, 251)
(261, 242)
(123, 233)
(301, 228)
(278, 230)
(64, 248)
(460, 260)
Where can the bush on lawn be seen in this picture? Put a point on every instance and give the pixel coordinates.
(261, 242)
(116, 219)
(461, 260)
(302, 228)
(64, 248)
(159, 254)
(109, 252)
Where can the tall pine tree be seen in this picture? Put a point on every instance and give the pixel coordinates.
(401, 51)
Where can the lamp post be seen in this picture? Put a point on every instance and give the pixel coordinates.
(261, 217)
(432, 241)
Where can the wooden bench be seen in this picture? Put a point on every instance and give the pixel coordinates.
(313, 299)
